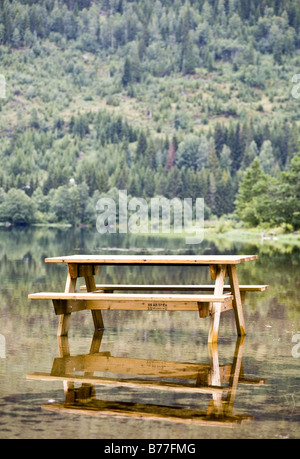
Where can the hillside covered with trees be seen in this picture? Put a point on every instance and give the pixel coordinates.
(166, 98)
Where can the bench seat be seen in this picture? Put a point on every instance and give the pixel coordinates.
(66, 303)
(113, 287)
(176, 288)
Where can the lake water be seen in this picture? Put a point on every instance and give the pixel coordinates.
(258, 394)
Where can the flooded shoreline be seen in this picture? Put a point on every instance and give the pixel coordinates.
(29, 345)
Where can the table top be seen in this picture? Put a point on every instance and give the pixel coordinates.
(153, 259)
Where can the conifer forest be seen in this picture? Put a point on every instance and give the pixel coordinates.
(181, 99)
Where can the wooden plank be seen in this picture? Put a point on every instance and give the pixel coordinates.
(64, 321)
(67, 307)
(216, 309)
(172, 287)
(121, 410)
(130, 383)
(237, 302)
(70, 306)
(213, 271)
(66, 303)
(154, 259)
(82, 270)
(143, 305)
(130, 297)
(101, 362)
(97, 315)
(105, 363)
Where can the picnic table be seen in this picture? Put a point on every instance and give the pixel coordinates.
(97, 297)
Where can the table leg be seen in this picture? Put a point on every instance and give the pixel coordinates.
(237, 303)
(216, 309)
(216, 406)
(235, 373)
(64, 321)
(97, 315)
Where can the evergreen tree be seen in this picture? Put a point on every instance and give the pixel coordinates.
(189, 60)
(142, 145)
(171, 155)
(250, 154)
(288, 201)
(127, 74)
(150, 154)
(256, 198)
(174, 186)
(266, 157)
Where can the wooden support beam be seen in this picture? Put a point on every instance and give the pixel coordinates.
(237, 302)
(216, 309)
(97, 315)
(64, 321)
(82, 270)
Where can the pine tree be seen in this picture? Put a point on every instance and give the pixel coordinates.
(173, 185)
(133, 189)
(220, 137)
(171, 155)
(189, 60)
(212, 192)
(102, 181)
(151, 154)
(16, 38)
(142, 145)
(278, 51)
(127, 75)
(250, 154)
(289, 194)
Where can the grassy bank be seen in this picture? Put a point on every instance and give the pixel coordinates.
(225, 229)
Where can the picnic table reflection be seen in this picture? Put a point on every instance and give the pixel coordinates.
(220, 382)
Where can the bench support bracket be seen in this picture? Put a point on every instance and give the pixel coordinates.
(61, 307)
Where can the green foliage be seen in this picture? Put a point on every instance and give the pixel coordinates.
(17, 207)
(265, 199)
(193, 152)
(160, 98)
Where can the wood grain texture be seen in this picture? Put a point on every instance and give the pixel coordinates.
(153, 259)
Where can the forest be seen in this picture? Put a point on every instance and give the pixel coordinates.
(184, 98)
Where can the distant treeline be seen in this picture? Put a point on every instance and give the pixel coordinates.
(57, 181)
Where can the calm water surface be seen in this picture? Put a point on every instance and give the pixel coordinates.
(258, 394)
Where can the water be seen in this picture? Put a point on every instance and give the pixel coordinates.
(263, 370)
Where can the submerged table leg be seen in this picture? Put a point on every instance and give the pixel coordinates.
(64, 351)
(237, 303)
(235, 372)
(216, 309)
(64, 321)
(214, 379)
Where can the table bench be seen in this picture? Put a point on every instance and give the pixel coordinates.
(101, 297)
(110, 288)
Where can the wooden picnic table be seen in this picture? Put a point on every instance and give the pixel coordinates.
(101, 297)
